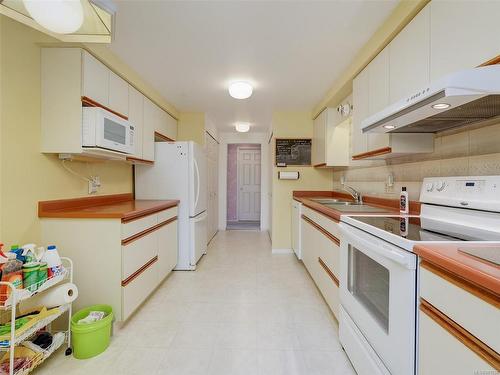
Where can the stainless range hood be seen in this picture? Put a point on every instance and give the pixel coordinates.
(461, 98)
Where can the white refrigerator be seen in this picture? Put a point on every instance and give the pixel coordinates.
(179, 172)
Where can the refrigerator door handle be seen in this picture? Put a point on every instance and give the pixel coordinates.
(200, 217)
(197, 183)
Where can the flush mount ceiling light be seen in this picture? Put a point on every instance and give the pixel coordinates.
(240, 89)
(242, 127)
(58, 16)
(389, 127)
(441, 106)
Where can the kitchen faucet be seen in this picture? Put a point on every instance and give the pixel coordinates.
(355, 194)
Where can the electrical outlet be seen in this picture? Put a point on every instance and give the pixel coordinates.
(94, 184)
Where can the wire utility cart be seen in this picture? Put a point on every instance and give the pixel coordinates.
(18, 355)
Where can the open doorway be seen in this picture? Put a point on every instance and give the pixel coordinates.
(243, 186)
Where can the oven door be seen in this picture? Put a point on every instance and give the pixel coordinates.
(114, 133)
(378, 292)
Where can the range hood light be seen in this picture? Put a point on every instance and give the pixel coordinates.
(389, 127)
(441, 106)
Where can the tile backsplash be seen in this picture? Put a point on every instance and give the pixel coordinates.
(465, 152)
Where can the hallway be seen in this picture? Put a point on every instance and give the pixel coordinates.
(244, 311)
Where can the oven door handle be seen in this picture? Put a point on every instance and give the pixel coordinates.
(382, 249)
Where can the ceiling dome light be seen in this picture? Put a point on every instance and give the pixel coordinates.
(58, 16)
(389, 126)
(441, 106)
(242, 127)
(240, 90)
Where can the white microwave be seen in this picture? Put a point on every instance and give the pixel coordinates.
(103, 129)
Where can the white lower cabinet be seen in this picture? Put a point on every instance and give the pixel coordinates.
(321, 255)
(458, 331)
(442, 353)
(122, 263)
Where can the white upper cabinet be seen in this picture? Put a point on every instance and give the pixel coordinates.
(378, 92)
(167, 125)
(148, 133)
(95, 80)
(463, 35)
(118, 94)
(361, 110)
(136, 118)
(330, 143)
(409, 57)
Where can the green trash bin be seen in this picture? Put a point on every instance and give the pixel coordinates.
(89, 340)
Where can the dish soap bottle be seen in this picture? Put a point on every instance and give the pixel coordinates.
(403, 201)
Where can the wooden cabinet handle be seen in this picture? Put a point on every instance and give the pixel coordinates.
(328, 271)
(136, 274)
(330, 236)
(136, 236)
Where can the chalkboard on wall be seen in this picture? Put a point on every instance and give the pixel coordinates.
(293, 151)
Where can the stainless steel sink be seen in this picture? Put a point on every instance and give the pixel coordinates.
(356, 207)
(330, 201)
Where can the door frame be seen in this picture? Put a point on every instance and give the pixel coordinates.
(238, 149)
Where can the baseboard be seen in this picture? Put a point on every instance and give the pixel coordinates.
(282, 251)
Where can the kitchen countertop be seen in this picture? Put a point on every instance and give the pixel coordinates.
(468, 267)
(119, 206)
(392, 205)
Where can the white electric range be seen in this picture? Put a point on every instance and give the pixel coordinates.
(379, 278)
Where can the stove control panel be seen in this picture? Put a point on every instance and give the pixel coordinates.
(475, 192)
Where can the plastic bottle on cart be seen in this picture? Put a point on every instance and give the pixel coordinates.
(53, 260)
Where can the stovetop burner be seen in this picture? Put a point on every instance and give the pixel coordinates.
(418, 229)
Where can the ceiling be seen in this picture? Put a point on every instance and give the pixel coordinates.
(292, 51)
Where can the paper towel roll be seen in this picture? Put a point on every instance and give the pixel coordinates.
(53, 297)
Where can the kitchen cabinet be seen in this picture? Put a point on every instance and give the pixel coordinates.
(320, 246)
(71, 78)
(361, 110)
(451, 338)
(212, 152)
(95, 79)
(136, 118)
(118, 94)
(330, 142)
(148, 135)
(462, 36)
(409, 57)
(131, 257)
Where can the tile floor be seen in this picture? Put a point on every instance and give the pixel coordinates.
(243, 311)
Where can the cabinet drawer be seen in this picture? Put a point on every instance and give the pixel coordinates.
(138, 289)
(138, 252)
(327, 283)
(167, 214)
(476, 315)
(328, 224)
(440, 352)
(136, 226)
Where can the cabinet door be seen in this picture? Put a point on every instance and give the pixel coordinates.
(378, 91)
(148, 133)
(409, 57)
(136, 118)
(463, 35)
(360, 99)
(167, 249)
(318, 155)
(95, 79)
(118, 94)
(170, 126)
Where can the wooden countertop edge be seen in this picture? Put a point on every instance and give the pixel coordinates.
(75, 208)
(461, 271)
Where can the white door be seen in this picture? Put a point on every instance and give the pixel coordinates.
(248, 184)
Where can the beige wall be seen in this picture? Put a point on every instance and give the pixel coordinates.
(26, 175)
(292, 125)
(465, 152)
(191, 127)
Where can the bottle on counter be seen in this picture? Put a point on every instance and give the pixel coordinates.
(53, 260)
(403, 201)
